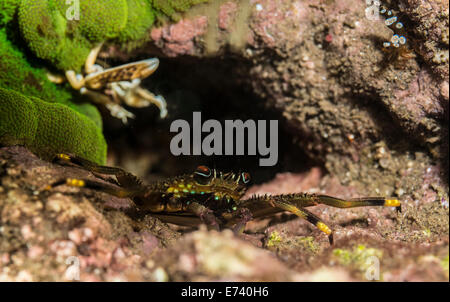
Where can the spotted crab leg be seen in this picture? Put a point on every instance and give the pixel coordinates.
(305, 214)
(358, 202)
(152, 65)
(124, 178)
(130, 185)
(296, 203)
(95, 185)
(205, 214)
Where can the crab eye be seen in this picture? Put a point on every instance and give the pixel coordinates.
(202, 175)
(245, 177)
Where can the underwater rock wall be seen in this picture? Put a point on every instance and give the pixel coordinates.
(43, 234)
(377, 128)
(376, 121)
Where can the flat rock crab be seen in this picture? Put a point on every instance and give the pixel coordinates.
(209, 196)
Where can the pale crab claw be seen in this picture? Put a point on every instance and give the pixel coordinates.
(76, 80)
(162, 105)
(153, 64)
(118, 88)
(146, 98)
(79, 77)
(89, 66)
(135, 83)
(119, 112)
(96, 68)
(55, 78)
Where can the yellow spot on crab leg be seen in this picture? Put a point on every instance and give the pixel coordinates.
(75, 182)
(392, 203)
(63, 156)
(323, 227)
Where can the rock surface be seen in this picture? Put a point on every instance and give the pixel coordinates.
(381, 128)
(373, 128)
(71, 233)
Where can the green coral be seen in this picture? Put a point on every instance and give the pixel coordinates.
(48, 128)
(66, 43)
(101, 20)
(274, 239)
(34, 127)
(140, 18)
(51, 36)
(39, 114)
(18, 74)
(7, 10)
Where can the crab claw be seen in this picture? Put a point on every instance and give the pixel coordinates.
(152, 65)
(331, 239)
(162, 105)
(119, 112)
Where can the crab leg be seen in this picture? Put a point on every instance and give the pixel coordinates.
(55, 78)
(305, 214)
(90, 60)
(296, 203)
(205, 214)
(302, 200)
(124, 178)
(158, 100)
(94, 185)
(152, 65)
(119, 112)
(358, 202)
(76, 81)
(115, 109)
(242, 217)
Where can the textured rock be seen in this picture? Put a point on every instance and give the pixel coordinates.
(69, 233)
(379, 127)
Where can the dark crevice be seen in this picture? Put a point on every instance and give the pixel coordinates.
(214, 87)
